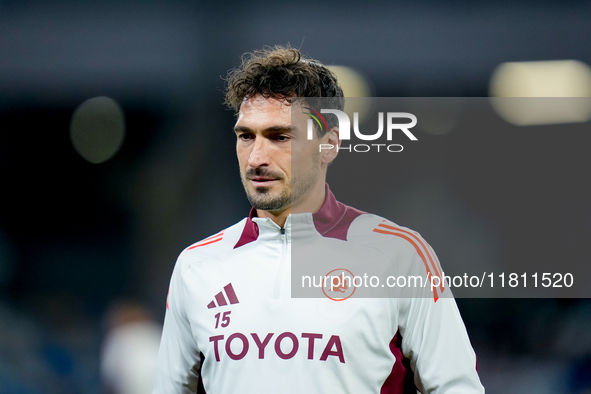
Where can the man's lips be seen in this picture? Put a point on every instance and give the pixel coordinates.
(262, 181)
(261, 177)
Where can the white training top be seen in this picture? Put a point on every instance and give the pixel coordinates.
(230, 309)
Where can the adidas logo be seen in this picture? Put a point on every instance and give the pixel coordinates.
(221, 300)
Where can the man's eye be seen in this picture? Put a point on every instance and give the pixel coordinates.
(281, 138)
(245, 137)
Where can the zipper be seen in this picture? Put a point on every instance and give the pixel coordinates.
(276, 293)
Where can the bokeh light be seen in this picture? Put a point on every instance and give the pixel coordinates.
(97, 129)
(542, 92)
(354, 84)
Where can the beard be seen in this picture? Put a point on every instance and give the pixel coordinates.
(265, 200)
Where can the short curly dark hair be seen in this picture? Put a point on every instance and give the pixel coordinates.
(282, 73)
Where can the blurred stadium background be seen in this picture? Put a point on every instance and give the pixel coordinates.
(116, 153)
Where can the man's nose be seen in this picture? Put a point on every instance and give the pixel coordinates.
(259, 155)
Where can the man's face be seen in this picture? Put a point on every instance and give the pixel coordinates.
(268, 141)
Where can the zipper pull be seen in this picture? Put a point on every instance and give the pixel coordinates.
(282, 231)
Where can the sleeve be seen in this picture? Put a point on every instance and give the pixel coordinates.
(178, 356)
(435, 340)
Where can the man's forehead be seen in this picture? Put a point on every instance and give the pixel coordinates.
(259, 107)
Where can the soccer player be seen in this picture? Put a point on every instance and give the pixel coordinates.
(231, 325)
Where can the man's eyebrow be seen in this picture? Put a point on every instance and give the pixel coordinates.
(287, 127)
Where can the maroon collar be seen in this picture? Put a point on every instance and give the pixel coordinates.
(334, 218)
(250, 232)
(253, 213)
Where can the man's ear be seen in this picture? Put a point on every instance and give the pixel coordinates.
(329, 147)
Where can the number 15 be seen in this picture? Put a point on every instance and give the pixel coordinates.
(225, 319)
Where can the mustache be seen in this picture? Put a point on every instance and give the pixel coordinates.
(262, 172)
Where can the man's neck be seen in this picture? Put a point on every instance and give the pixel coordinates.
(279, 217)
